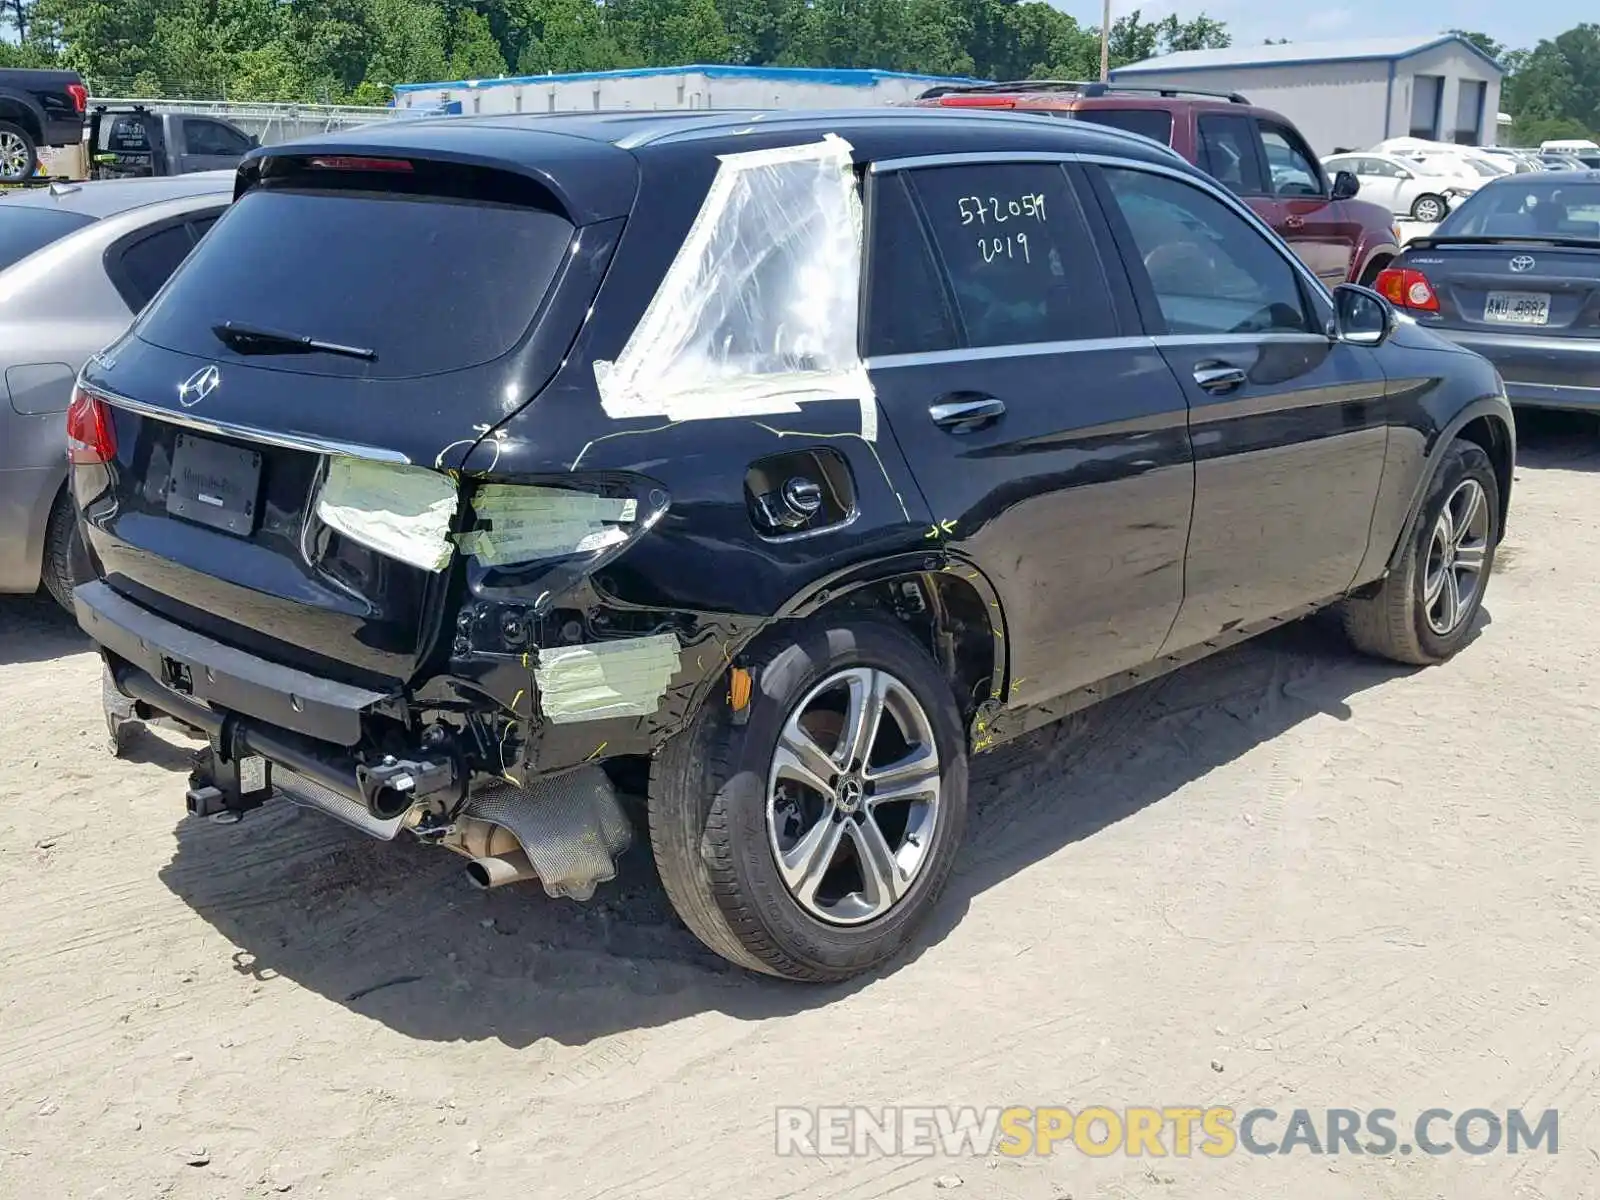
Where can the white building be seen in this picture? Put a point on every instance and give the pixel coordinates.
(1349, 95)
(651, 88)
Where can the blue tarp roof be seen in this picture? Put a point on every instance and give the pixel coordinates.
(836, 77)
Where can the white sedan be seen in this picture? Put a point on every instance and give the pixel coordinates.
(1419, 189)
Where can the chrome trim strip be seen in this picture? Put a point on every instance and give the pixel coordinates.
(248, 433)
(924, 358)
(971, 157)
(1240, 339)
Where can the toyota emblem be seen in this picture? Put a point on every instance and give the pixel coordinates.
(198, 386)
(1522, 262)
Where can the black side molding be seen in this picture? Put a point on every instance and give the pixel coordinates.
(199, 668)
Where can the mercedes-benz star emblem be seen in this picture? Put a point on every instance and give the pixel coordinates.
(198, 386)
(1522, 262)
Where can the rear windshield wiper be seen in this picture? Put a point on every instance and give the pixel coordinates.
(248, 339)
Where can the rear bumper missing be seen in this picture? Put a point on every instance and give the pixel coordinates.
(194, 669)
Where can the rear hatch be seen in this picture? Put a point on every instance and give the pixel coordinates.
(418, 284)
(1514, 287)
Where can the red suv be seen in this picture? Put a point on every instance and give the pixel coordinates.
(1256, 152)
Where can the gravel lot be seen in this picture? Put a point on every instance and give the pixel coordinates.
(1342, 883)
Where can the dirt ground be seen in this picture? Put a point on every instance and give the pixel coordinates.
(1343, 884)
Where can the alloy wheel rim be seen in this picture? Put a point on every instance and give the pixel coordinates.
(1457, 553)
(13, 156)
(853, 796)
(1428, 210)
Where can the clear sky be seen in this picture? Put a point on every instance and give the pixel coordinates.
(1519, 25)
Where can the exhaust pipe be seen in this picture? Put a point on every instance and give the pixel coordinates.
(497, 857)
(500, 869)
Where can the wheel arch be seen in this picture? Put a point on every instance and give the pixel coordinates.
(949, 602)
(19, 112)
(1486, 422)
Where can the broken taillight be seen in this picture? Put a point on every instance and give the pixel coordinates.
(1407, 289)
(91, 436)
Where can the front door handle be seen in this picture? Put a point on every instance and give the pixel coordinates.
(1217, 378)
(962, 412)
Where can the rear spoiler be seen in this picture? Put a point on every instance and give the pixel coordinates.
(1533, 239)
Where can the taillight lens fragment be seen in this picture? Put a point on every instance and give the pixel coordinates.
(91, 436)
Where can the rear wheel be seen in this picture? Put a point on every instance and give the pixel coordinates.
(814, 840)
(1424, 611)
(61, 547)
(1429, 209)
(19, 158)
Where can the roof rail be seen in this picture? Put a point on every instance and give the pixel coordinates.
(1014, 85)
(1106, 89)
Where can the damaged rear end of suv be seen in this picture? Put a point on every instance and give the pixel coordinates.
(405, 493)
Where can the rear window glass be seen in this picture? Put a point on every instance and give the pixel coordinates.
(1522, 209)
(24, 230)
(426, 284)
(1153, 123)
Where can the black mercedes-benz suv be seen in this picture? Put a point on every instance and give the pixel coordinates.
(769, 463)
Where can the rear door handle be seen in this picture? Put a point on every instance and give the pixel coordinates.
(1217, 378)
(962, 412)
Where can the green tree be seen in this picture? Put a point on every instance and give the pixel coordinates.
(1202, 33)
(1133, 39)
(474, 52)
(1495, 50)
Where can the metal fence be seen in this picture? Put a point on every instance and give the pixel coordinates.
(274, 123)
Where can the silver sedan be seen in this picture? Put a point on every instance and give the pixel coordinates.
(77, 261)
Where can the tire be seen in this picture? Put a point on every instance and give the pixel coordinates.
(19, 157)
(1424, 205)
(717, 830)
(1369, 277)
(1398, 621)
(62, 544)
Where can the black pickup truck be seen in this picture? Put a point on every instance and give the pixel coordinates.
(38, 108)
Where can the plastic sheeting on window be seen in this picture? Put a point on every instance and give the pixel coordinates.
(758, 311)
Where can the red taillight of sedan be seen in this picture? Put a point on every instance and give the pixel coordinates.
(91, 437)
(1407, 289)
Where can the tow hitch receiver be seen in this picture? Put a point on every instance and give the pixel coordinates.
(229, 779)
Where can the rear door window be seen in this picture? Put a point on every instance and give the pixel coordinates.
(1228, 154)
(1153, 123)
(25, 230)
(1017, 252)
(427, 283)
